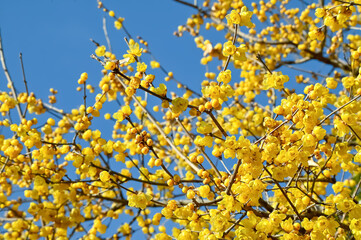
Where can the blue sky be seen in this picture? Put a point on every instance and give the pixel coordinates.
(53, 37)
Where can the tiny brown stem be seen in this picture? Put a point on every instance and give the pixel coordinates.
(10, 82)
(217, 123)
(284, 194)
(25, 82)
(263, 63)
(338, 109)
(233, 42)
(233, 176)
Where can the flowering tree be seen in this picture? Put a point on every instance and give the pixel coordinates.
(268, 149)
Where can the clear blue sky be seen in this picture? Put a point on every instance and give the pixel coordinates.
(54, 39)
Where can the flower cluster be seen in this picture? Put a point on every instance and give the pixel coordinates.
(275, 80)
(236, 160)
(242, 18)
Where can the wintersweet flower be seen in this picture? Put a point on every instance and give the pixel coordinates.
(140, 200)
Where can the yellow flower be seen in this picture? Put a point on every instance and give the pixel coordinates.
(316, 34)
(134, 48)
(331, 83)
(231, 142)
(204, 191)
(104, 176)
(111, 13)
(355, 227)
(224, 76)
(161, 90)
(162, 236)
(100, 51)
(141, 67)
(119, 116)
(228, 49)
(139, 200)
(218, 221)
(274, 80)
(204, 128)
(307, 224)
(154, 64)
(206, 141)
(320, 12)
(110, 65)
(179, 105)
(240, 54)
(230, 203)
(125, 229)
(233, 17)
(346, 205)
(319, 132)
(118, 25)
(264, 226)
(246, 17)
(185, 234)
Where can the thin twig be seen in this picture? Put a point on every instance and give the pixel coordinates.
(6, 162)
(233, 42)
(217, 123)
(338, 109)
(284, 194)
(263, 63)
(233, 176)
(84, 98)
(152, 119)
(10, 82)
(350, 3)
(106, 34)
(25, 82)
(200, 149)
(234, 224)
(354, 194)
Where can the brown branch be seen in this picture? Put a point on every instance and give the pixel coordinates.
(192, 6)
(25, 82)
(6, 162)
(233, 42)
(338, 109)
(234, 224)
(129, 178)
(10, 82)
(350, 3)
(263, 63)
(200, 149)
(233, 176)
(284, 194)
(354, 194)
(283, 123)
(217, 123)
(152, 119)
